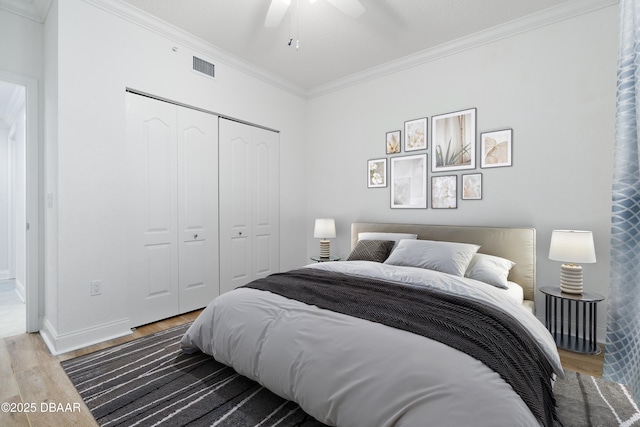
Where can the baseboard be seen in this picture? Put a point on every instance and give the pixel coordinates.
(64, 343)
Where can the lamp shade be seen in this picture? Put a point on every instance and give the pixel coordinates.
(325, 228)
(572, 246)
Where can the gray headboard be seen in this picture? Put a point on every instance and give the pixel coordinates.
(516, 244)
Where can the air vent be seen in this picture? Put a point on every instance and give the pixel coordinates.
(204, 67)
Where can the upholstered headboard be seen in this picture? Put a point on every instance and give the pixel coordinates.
(516, 244)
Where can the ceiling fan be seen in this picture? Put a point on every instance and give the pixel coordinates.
(278, 8)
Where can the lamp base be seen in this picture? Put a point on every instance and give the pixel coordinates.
(324, 249)
(571, 279)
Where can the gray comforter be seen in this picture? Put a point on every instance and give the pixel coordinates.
(349, 371)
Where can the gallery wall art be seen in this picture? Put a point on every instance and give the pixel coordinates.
(453, 147)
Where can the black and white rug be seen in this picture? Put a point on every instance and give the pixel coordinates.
(149, 381)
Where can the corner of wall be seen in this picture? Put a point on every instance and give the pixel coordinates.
(64, 343)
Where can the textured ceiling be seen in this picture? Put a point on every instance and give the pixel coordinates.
(332, 45)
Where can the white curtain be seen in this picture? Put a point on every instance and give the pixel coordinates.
(622, 355)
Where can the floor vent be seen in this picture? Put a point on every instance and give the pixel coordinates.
(204, 67)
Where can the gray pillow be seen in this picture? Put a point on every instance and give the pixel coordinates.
(371, 250)
(447, 257)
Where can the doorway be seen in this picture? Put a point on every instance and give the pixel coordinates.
(13, 234)
(26, 213)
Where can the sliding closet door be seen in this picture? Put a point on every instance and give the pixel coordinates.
(197, 208)
(172, 156)
(152, 149)
(249, 203)
(266, 203)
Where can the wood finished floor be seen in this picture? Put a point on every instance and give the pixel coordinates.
(29, 374)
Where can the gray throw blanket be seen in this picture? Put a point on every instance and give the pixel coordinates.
(481, 331)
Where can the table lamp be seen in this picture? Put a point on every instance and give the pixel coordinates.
(571, 247)
(324, 229)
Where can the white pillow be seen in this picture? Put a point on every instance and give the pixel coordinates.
(447, 257)
(396, 237)
(490, 269)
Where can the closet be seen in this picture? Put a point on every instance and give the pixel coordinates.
(172, 209)
(249, 203)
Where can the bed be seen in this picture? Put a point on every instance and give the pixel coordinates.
(395, 343)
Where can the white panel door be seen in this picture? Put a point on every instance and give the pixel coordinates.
(266, 203)
(152, 209)
(249, 204)
(236, 214)
(197, 208)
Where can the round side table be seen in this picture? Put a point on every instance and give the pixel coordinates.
(318, 258)
(563, 314)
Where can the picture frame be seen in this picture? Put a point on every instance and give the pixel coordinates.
(453, 138)
(471, 186)
(496, 148)
(393, 141)
(444, 192)
(409, 182)
(415, 135)
(377, 173)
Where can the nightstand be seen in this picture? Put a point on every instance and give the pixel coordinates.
(317, 258)
(562, 318)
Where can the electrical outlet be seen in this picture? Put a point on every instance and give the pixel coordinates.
(96, 287)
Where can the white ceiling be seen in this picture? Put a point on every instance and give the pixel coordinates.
(334, 46)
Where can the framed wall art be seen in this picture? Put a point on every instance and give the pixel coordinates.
(444, 192)
(495, 148)
(453, 137)
(415, 134)
(472, 186)
(409, 182)
(377, 173)
(393, 142)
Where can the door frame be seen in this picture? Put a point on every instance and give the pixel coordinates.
(34, 216)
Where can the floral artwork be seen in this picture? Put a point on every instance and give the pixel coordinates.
(472, 186)
(453, 137)
(393, 142)
(443, 192)
(496, 148)
(377, 173)
(409, 182)
(415, 135)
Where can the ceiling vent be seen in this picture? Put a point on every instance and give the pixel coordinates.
(204, 67)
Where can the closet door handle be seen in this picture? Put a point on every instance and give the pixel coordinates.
(195, 236)
(239, 233)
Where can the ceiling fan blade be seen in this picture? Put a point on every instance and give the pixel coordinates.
(276, 11)
(353, 8)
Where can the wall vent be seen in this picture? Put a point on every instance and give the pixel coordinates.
(204, 67)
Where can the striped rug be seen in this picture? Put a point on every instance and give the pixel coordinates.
(150, 382)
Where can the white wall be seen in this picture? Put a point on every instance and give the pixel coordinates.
(99, 55)
(17, 152)
(554, 86)
(5, 241)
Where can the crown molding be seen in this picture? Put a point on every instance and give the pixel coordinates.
(36, 10)
(527, 23)
(162, 28)
(531, 22)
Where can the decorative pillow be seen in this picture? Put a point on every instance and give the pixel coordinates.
(371, 250)
(447, 257)
(490, 269)
(396, 237)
